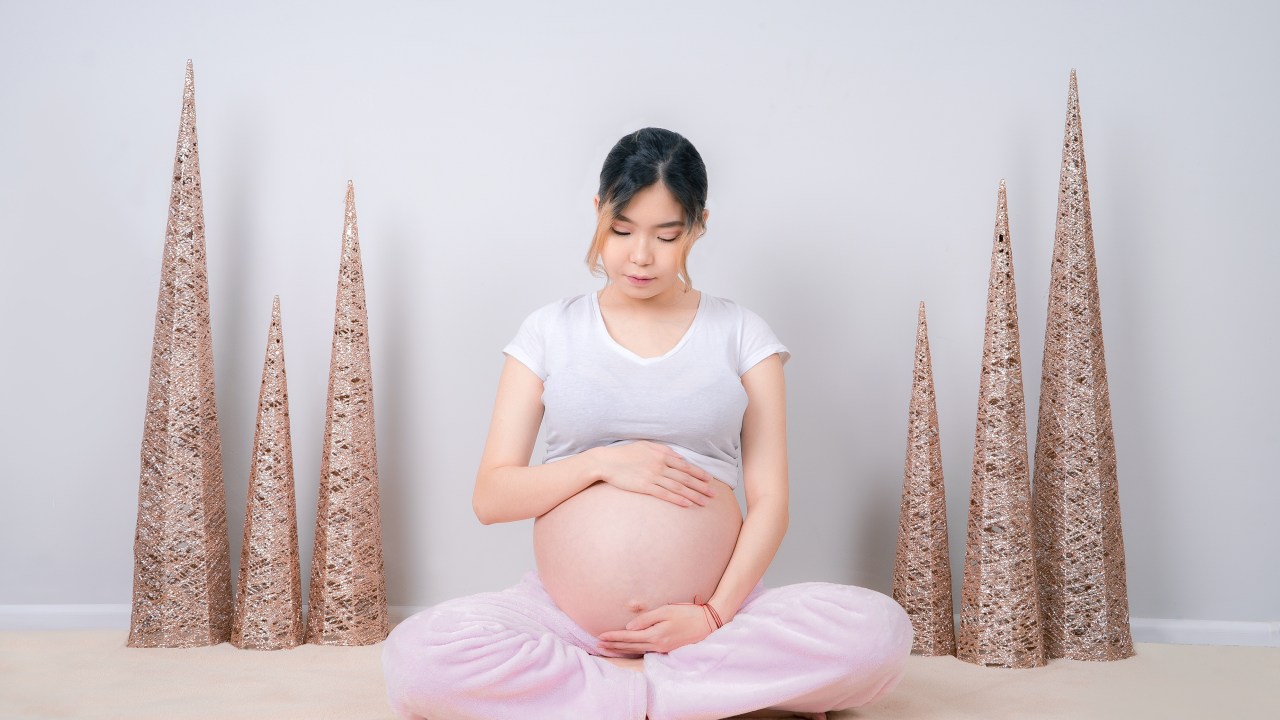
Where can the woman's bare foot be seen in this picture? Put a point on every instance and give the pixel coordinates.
(636, 664)
(782, 714)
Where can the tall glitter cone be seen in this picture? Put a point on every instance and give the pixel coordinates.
(348, 596)
(268, 609)
(922, 566)
(1076, 504)
(181, 570)
(999, 608)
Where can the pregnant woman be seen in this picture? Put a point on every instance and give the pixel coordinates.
(658, 401)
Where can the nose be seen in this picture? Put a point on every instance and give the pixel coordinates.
(641, 253)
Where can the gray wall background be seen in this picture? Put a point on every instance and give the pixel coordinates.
(854, 151)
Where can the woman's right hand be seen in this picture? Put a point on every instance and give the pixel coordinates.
(654, 469)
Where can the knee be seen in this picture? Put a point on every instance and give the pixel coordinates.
(428, 659)
(872, 628)
(887, 629)
(410, 658)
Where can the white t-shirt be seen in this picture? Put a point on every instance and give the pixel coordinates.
(596, 392)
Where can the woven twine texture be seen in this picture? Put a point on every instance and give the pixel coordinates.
(1076, 502)
(999, 612)
(181, 574)
(922, 566)
(348, 595)
(268, 608)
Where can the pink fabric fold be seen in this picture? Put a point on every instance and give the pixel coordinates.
(810, 647)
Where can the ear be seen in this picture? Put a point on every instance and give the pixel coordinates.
(706, 213)
(595, 202)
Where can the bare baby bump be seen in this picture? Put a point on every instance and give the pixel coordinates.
(605, 555)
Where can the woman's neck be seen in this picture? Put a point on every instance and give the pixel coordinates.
(674, 299)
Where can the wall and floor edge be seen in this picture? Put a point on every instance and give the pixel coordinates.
(1145, 630)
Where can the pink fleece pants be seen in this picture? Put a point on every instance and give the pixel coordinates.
(514, 655)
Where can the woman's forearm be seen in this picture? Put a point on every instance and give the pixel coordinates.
(518, 492)
(758, 541)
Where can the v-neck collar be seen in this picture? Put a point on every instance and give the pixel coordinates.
(625, 352)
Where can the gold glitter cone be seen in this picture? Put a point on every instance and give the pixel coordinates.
(999, 609)
(268, 612)
(181, 571)
(922, 566)
(1076, 503)
(348, 602)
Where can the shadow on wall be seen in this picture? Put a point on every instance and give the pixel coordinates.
(398, 477)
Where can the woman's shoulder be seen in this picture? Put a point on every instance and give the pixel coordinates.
(729, 310)
(745, 330)
(565, 308)
(543, 332)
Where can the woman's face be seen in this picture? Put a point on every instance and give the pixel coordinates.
(641, 253)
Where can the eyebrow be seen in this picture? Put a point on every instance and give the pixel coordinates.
(673, 223)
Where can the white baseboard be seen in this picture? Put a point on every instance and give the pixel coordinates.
(64, 617)
(105, 617)
(1145, 630)
(1205, 632)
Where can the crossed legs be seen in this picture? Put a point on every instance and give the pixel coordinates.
(807, 648)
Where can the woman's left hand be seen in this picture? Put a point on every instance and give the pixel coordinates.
(662, 630)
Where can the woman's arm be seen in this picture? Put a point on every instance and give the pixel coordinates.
(508, 489)
(764, 478)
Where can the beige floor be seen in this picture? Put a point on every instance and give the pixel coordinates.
(91, 674)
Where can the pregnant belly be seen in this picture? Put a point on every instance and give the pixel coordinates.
(606, 555)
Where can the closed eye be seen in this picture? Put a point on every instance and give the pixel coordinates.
(626, 234)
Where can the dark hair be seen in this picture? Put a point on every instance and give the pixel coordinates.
(641, 159)
(655, 155)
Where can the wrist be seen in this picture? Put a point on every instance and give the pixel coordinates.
(592, 472)
(713, 617)
(721, 611)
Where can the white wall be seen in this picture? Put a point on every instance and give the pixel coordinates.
(854, 152)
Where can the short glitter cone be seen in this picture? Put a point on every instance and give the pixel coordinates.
(268, 608)
(922, 566)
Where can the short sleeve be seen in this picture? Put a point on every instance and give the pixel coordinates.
(529, 344)
(758, 342)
